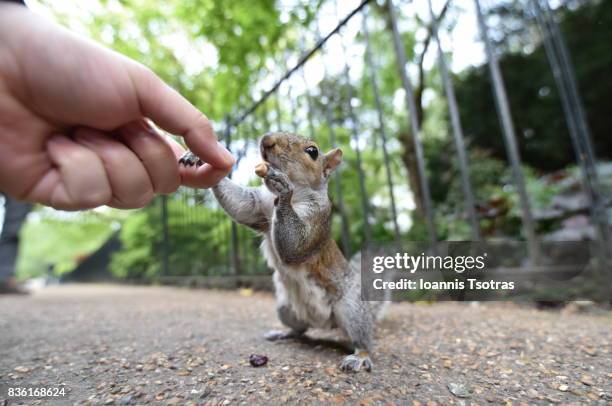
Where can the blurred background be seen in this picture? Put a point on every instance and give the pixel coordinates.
(453, 127)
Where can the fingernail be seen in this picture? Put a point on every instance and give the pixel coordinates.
(227, 156)
(148, 127)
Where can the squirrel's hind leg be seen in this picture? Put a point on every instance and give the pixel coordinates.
(353, 363)
(276, 335)
(355, 319)
(288, 318)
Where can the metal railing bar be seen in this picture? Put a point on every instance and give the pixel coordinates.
(458, 137)
(381, 122)
(414, 122)
(329, 117)
(355, 130)
(503, 109)
(563, 73)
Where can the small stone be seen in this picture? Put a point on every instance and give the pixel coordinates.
(258, 360)
(563, 388)
(587, 380)
(125, 400)
(592, 396)
(22, 369)
(458, 389)
(532, 393)
(174, 401)
(590, 351)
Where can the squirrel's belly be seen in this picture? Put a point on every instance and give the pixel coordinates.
(307, 299)
(294, 287)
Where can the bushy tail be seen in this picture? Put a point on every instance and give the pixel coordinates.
(378, 307)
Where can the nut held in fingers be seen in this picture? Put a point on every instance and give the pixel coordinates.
(261, 169)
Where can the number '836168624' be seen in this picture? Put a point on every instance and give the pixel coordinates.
(34, 392)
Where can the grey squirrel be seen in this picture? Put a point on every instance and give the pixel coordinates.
(315, 285)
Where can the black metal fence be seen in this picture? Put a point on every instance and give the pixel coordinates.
(293, 104)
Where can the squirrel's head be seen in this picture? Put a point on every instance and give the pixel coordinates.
(299, 158)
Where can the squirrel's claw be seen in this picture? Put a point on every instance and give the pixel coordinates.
(354, 363)
(190, 159)
(277, 182)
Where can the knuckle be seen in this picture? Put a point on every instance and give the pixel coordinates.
(79, 155)
(204, 123)
(143, 200)
(94, 199)
(156, 151)
(169, 186)
(146, 74)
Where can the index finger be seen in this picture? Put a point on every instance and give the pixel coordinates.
(172, 112)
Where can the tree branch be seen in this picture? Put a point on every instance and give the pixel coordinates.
(421, 83)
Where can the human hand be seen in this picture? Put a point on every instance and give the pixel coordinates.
(74, 132)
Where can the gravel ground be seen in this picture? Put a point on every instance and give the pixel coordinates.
(139, 345)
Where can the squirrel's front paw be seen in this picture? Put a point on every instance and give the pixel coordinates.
(278, 182)
(354, 362)
(190, 159)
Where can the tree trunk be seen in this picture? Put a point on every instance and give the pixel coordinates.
(15, 214)
(410, 162)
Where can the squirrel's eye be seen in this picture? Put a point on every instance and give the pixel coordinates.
(313, 152)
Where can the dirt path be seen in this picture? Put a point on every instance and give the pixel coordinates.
(139, 345)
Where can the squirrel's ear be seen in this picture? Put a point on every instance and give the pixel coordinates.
(332, 159)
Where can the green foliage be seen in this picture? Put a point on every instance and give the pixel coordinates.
(58, 243)
(198, 241)
(211, 52)
(544, 140)
(216, 53)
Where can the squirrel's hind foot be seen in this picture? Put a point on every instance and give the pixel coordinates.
(355, 362)
(190, 159)
(275, 335)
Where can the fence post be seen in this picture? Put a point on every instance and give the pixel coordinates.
(503, 109)
(165, 236)
(381, 121)
(365, 206)
(234, 260)
(414, 122)
(571, 101)
(344, 228)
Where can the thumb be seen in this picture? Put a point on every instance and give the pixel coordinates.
(172, 112)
